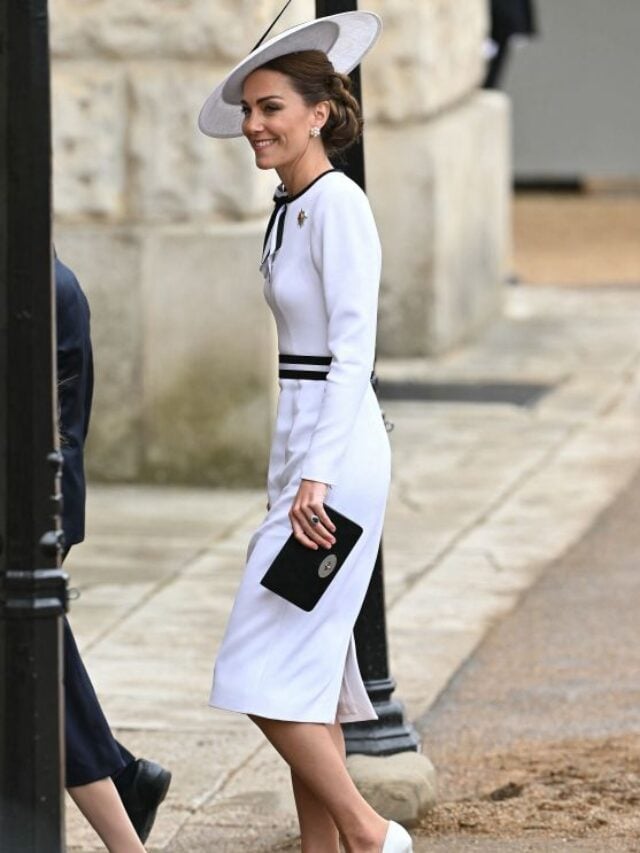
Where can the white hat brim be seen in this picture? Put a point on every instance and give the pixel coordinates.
(345, 39)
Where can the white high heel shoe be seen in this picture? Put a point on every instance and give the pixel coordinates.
(397, 839)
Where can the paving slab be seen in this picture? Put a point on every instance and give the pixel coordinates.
(484, 497)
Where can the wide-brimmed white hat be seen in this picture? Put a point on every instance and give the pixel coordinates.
(345, 39)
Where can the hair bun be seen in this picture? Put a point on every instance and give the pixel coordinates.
(344, 125)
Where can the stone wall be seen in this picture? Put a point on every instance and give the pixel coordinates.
(445, 236)
(163, 226)
(438, 161)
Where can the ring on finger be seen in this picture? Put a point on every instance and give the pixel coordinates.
(315, 519)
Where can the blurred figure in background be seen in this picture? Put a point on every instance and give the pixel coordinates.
(509, 18)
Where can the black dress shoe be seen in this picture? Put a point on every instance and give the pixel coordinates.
(142, 787)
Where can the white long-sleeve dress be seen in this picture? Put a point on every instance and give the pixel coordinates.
(322, 269)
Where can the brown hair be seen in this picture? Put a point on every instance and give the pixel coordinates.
(315, 79)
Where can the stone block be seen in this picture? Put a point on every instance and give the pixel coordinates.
(400, 787)
(89, 131)
(184, 350)
(440, 191)
(223, 30)
(429, 57)
(177, 172)
(210, 362)
(108, 265)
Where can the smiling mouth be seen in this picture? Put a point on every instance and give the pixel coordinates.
(261, 144)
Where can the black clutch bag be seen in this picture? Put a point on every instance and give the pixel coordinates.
(302, 575)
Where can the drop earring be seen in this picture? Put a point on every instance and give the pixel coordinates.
(314, 132)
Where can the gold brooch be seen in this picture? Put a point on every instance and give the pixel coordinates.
(302, 218)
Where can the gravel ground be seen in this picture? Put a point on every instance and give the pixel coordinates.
(537, 739)
(565, 791)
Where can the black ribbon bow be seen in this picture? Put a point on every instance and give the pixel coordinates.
(280, 200)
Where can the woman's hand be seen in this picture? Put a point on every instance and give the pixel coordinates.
(308, 506)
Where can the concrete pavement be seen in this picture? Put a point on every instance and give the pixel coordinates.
(484, 497)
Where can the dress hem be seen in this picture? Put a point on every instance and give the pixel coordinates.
(268, 714)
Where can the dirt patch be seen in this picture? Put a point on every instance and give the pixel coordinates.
(570, 790)
(581, 238)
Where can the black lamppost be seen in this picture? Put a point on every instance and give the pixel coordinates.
(390, 733)
(32, 584)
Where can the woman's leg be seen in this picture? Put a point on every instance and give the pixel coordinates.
(318, 831)
(100, 803)
(310, 750)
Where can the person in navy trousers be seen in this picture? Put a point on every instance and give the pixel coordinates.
(118, 794)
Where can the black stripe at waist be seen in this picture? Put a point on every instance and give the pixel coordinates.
(304, 361)
(310, 360)
(302, 374)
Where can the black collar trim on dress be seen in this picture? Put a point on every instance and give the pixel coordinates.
(287, 199)
(281, 199)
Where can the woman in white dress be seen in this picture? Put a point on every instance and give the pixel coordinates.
(295, 672)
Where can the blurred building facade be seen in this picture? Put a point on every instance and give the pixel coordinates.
(574, 95)
(164, 226)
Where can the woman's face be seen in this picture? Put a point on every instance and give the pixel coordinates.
(276, 121)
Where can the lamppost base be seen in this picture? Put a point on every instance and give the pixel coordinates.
(387, 735)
